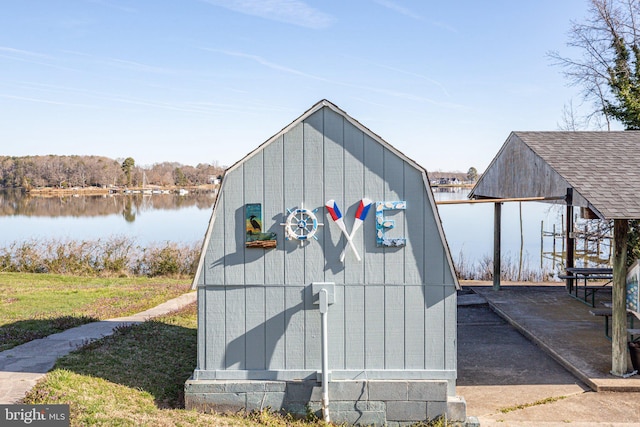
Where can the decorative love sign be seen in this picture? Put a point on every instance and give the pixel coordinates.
(302, 224)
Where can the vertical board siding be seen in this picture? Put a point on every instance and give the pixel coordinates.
(336, 326)
(234, 230)
(235, 337)
(273, 210)
(293, 198)
(313, 173)
(255, 327)
(415, 195)
(253, 176)
(202, 328)
(449, 328)
(294, 329)
(414, 333)
(216, 328)
(354, 190)
(435, 262)
(394, 327)
(374, 188)
(275, 328)
(374, 336)
(354, 327)
(435, 348)
(313, 143)
(214, 260)
(394, 190)
(334, 189)
(312, 345)
(393, 310)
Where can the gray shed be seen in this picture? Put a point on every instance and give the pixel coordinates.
(272, 259)
(596, 171)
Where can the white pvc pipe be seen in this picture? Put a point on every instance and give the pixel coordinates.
(324, 308)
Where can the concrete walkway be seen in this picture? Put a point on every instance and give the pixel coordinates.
(564, 328)
(508, 381)
(21, 367)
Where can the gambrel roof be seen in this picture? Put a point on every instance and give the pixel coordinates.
(386, 165)
(602, 168)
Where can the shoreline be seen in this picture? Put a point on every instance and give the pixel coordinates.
(99, 191)
(154, 189)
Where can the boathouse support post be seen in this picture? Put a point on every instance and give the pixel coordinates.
(618, 297)
(570, 236)
(497, 220)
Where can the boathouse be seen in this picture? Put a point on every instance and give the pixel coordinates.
(596, 172)
(325, 282)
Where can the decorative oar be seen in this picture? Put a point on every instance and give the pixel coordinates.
(361, 214)
(336, 215)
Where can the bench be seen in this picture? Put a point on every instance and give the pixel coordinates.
(608, 312)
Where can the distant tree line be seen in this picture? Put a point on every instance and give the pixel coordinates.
(96, 171)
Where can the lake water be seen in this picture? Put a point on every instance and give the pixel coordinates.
(147, 219)
(159, 218)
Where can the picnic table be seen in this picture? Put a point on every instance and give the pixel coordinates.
(607, 312)
(579, 287)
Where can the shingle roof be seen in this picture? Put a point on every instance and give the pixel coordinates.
(604, 167)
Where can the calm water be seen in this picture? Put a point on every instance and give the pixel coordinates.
(145, 218)
(469, 228)
(184, 219)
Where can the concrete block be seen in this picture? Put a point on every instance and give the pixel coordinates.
(303, 391)
(219, 402)
(259, 401)
(343, 406)
(348, 390)
(428, 390)
(388, 390)
(205, 386)
(275, 386)
(406, 411)
(232, 386)
(374, 405)
(297, 409)
(436, 409)
(244, 386)
(456, 409)
(365, 418)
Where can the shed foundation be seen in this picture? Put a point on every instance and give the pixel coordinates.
(366, 402)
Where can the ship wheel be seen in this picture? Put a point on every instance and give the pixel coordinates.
(301, 224)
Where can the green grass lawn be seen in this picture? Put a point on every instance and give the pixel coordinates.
(36, 305)
(136, 378)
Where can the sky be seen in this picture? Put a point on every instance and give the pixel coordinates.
(207, 81)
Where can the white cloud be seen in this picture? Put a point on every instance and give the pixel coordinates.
(400, 9)
(391, 5)
(20, 52)
(293, 12)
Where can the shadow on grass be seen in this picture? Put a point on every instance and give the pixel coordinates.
(23, 331)
(156, 356)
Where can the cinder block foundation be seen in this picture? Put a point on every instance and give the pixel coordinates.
(367, 402)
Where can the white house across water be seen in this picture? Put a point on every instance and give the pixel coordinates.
(326, 283)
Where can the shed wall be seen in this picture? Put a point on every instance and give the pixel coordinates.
(395, 312)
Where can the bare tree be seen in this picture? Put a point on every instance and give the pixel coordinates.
(610, 25)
